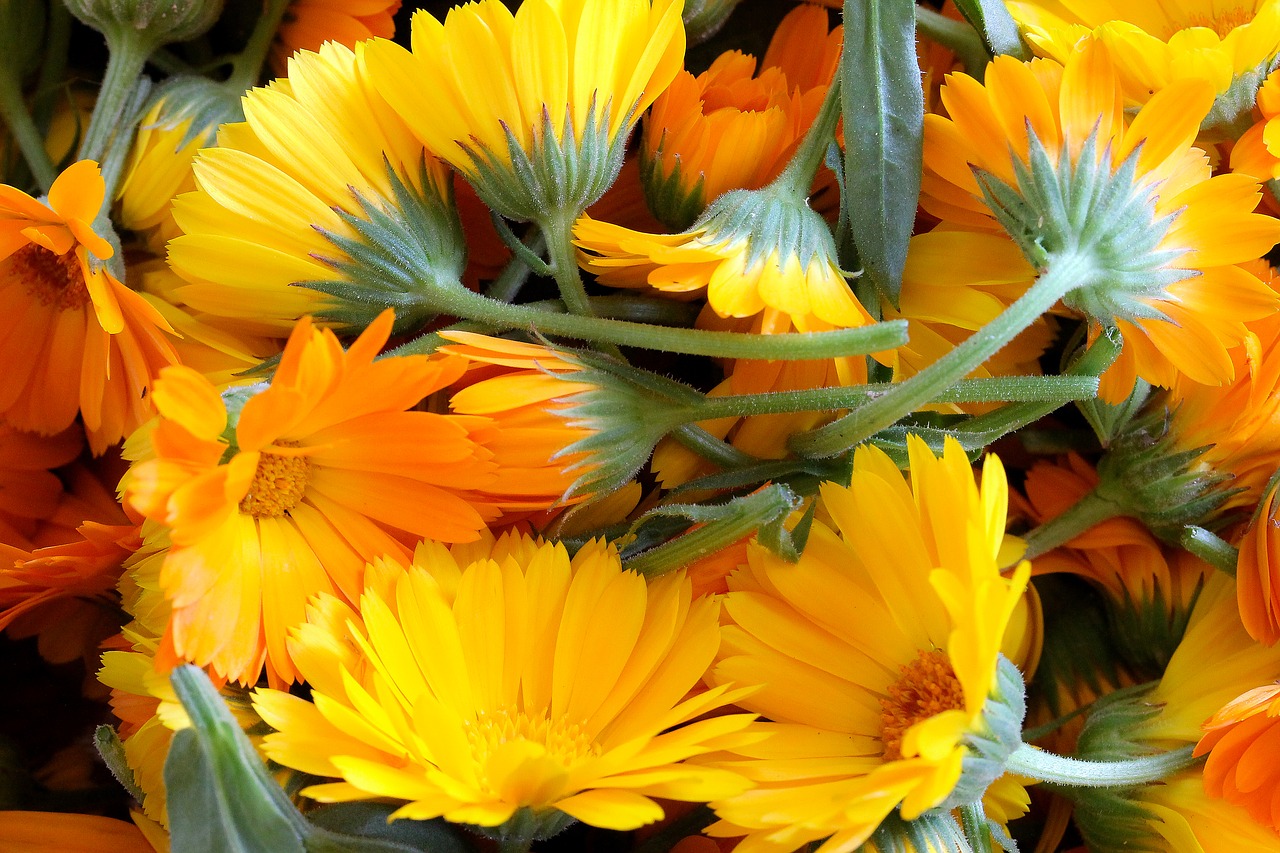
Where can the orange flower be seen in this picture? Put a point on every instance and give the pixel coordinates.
(325, 470)
(1240, 741)
(308, 24)
(733, 126)
(74, 338)
(1258, 573)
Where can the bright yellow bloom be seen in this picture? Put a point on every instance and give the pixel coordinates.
(308, 24)
(1172, 285)
(273, 194)
(878, 651)
(558, 84)
(1157, 44)
(327, 470)
(72, 337)
(500, 679)
(159, 169)
(733, 126)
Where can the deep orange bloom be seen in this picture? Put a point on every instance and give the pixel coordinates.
(72, 337)
(308, 24)
(1241, 740)
(326, 471)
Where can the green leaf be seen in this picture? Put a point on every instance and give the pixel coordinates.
(883, 107)
(992, 19)
(112, 752)
(221, 798)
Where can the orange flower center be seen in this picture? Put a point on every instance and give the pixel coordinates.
(51, 279)
(925, 688)
(278, 484)
(1221, 22)
(565, 741)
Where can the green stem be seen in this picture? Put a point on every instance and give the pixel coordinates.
(973, 820)
(169, 63)
(13, 108)
(1088, 512)
(798, 176)
(1065, 273)
(129, 54)
(713, 449)
(563, 258)
(960, 38)
(506, 287)
(1061, 770)
(1210, 547)
(466, 305)
(52, 71)
(116, 156)
(246, 69)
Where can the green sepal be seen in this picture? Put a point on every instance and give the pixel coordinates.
(762, 512)
(206, 104)
(397, 259)
(370, 820)
(1078, 652)
(665, 194)
(998, 735)
(1233, 110)
(111, 749)
(1149, 629)
(561, 175)
(883, 103)
(992, 20)
(220, 797)
(526, 826)
(932, 832)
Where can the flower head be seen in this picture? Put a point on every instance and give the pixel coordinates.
(885, 705)
(309, 190)
(506, 685)
(308, 24)
(1237, 740)
(733, 126)
(76, 340)
(274, 494)
(532, 142)
(1048, 152)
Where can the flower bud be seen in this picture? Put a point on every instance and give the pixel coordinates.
(160, 21)
(704, 18)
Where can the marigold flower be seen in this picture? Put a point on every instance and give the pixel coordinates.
(502, 683)
(733, 126)
(467, 93)
(1158, 44)
(282, 199)
(327, 471)
(308, 24)
(75, 338)
(40, 832)
(1240, 767)
(878, 711)
(1258, 573)
(1163, 239)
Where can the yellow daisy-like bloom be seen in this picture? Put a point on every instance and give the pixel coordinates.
(1166, 262)
(506, 685)
(559, 83)
(733, 127)
(281, 186)
(326, 470)
(1157, 44)
(878, 651)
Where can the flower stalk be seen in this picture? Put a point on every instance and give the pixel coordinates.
(1062, 770)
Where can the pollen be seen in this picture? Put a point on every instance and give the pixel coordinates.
(565, 741)
(278, 484)
(925, 688)
(49, 278)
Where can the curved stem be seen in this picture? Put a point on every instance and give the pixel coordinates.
(506, 287)
(1066, 273)
(1061, 770)
(246, 68)
(799, 173)
(128, 57)
(962, 39)
(563, 258)
(1088, 512)
(13, 108)
(973, 821)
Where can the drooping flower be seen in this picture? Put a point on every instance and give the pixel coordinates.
(75, 339)
(308, 24)
(1159, 238)
(323, 471)
(735, 126)
(880, 653)
(504, 684)
(308, 191)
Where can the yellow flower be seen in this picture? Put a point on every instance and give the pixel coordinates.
(1157, 44)
(733, 126)
(282, 199)
(879, 652)
(503, 683)
(318, 473)
(556, 87)
(1163, 236)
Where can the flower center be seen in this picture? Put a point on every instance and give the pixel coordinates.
(925, 688)
(51, 279)
(565, 741)
(277, 485)
(1221, 22)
